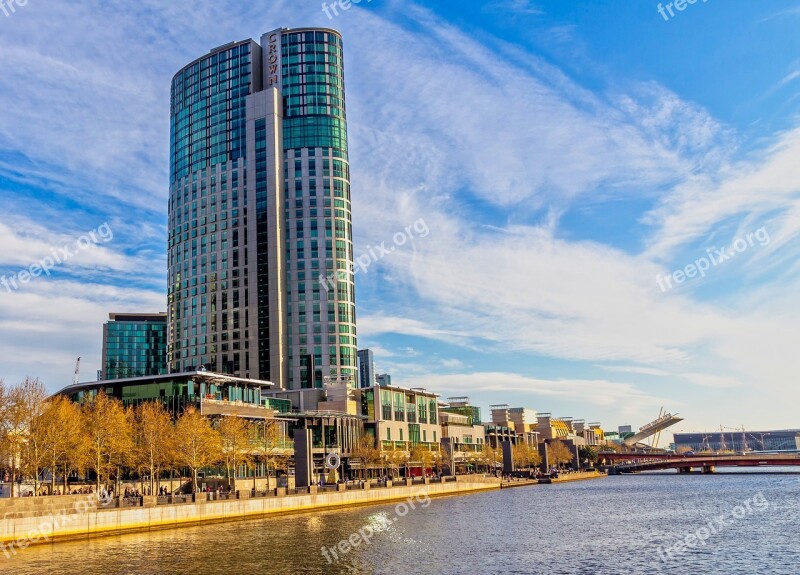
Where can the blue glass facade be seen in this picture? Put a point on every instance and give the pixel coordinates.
(134, 346)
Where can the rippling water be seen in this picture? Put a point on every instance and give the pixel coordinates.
(610, 526)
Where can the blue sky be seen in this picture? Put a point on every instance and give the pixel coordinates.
(562, 155)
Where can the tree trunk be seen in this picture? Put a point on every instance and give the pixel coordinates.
(97, 471)
(53, 477)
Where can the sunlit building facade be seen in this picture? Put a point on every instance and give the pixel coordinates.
(261, 281)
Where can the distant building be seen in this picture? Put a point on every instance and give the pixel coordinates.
(520, 419)
(384, 380)
(496, 435)
(366, 368)
(554, 428)
(776, 440)
(590, 432)
(461, 405)
(134, 345)
(462, 440)
(401, 418)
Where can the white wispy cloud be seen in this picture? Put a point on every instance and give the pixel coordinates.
(526, 7)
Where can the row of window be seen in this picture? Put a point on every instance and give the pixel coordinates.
(413, 435)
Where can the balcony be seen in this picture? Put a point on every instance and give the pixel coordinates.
(211, 407)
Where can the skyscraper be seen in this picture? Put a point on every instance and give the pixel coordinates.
(259, 210)
(366, 368)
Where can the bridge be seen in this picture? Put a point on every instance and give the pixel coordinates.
(707, 462)
(653, 428)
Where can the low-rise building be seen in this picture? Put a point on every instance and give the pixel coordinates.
(554, 428)
(462, 440)
(401, 418)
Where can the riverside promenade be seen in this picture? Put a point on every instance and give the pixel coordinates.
(38, 520)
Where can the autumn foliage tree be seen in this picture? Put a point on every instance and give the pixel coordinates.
(526, 456)
(269, 445)
(62, 438)
(558, 453)
(109, 435)
(367, 453)
(422, 455)
(197, 443)
(153, 434)
(237, 449)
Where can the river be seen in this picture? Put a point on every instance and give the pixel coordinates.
(734, 524)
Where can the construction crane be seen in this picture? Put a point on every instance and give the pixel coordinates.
(77, 371)
(733, 440)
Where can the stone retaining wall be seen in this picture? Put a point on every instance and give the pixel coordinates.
(25, 522)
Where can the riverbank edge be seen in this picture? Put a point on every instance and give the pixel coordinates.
(22, 532)
(581, 476)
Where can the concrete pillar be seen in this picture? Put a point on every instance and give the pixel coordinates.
(709, 469)
(508, 459)
(303, 446)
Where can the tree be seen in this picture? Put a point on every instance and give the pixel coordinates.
(5, 451)
(558, 453)
(197, 444)
(437, 458)
(108, 428)
(367, 453)
(153, 434)
(491, 457)
(23, 405)
(422, 455)
(526, 456)
(270, 445)
(395, 458)
(588, 454)
(54, 433)
(235, 435)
